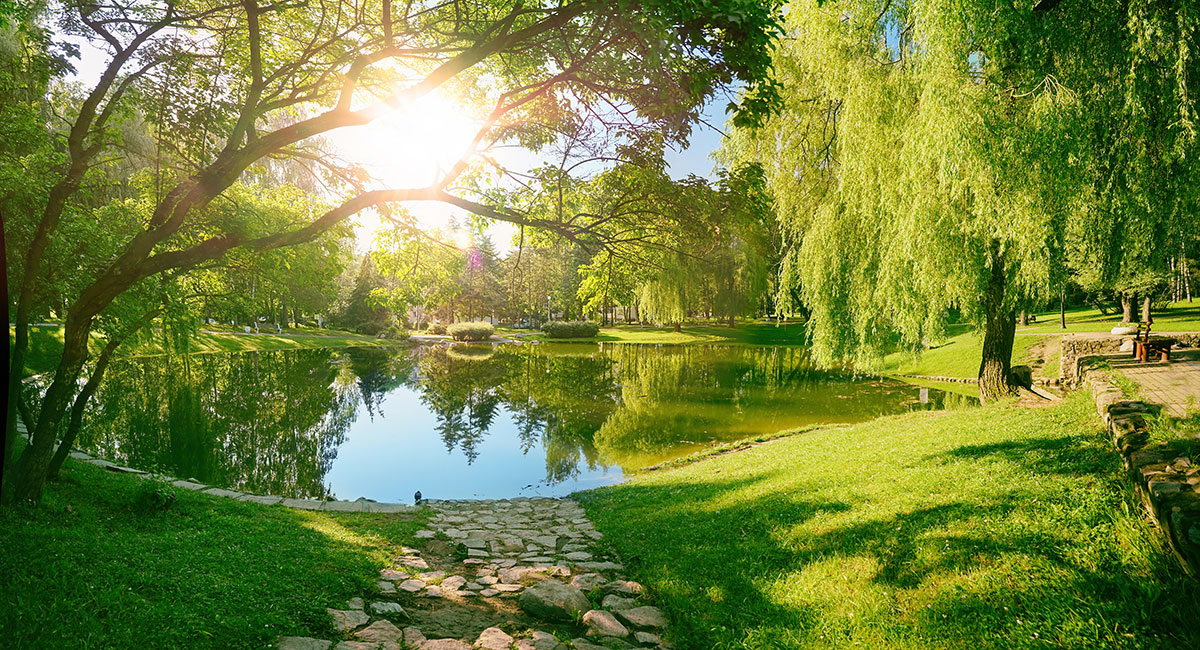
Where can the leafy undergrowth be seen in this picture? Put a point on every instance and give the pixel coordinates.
(96, 565)
(992, 527)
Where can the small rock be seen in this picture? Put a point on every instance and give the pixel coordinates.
(554, 600)
(367, 645)
(430, 576)
(425, 534)
(433, 591)
(380, 632)
(540, 641)
(414, 562)
(615, 602)
(489, 593)
(412, 586)
(627, 587)
(390, 574)
(644, 616)
(479, 553)
(302, 643)
(584, 644)
(444, 644)
(386, 607)
(453, 583)
(506, 588)
(355, 603)
(647, 638)
(578, 556)
(588, 581)
(413, 636)
(493, 638)
(386, 587)
(345, 620)
(602, 623)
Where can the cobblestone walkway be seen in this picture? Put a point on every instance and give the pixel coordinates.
(523, 574)
(1175, 384)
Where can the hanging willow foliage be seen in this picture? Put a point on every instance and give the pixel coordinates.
(932, 157)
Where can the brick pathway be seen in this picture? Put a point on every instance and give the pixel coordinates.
(1174, 385)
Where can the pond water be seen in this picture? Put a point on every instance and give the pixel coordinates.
(463, 421)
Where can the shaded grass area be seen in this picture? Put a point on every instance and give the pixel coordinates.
(991, 527)
(91, 568)
(45, 344)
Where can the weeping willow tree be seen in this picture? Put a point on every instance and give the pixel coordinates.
(928, 158)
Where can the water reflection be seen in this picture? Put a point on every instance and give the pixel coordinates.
(463, 421)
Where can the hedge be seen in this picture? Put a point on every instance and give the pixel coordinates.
(475, 331)
(574, 329)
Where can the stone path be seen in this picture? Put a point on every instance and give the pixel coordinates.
(1175, 384)
(523, 574)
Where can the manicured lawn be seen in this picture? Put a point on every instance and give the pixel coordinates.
(1176, 317)
(45, 344)
(993, 527)
(959, 355)
(89, 568)
(751, 333)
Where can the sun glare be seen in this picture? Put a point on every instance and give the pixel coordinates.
(411, 146)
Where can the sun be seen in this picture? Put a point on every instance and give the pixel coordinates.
(411, 146)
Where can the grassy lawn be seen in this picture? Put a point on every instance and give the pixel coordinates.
(1176, 317)
(759, 332)
(90, 568)
(992, 527)
(45, 344)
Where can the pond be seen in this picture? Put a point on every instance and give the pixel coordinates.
(461, 421)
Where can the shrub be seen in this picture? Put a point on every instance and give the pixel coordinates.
(475, 331)
(573, 329)
(436, 328)
(155, 496)
(394, 333)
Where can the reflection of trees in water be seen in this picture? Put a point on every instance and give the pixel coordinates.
(463, 393)
(556, 401)
(271, 422)
(268, 422)
(680, 397)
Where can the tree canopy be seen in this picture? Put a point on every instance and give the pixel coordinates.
(933, 159)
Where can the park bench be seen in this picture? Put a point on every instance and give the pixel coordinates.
(1144, 347)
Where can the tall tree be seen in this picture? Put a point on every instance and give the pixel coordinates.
(932, 153)
(226, 87)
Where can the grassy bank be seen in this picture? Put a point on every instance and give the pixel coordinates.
(992, 527)
(45, 344)
(92, 568)
(758, 332)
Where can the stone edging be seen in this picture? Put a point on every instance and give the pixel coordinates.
(360, 505)
(1169, 487)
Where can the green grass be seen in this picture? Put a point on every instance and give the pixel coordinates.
(88, 568)
(758, 332)
(993, 527)
(1175, 317)
(45, 344)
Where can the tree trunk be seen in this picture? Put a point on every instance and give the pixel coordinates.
(678, 327)
(10, 430)
(1146, 309)
(1062, 308)
(30, 469)
(1127, 315)
(732, 322)
(999, 329)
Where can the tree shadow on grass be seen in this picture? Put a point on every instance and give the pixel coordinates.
(1000, 569)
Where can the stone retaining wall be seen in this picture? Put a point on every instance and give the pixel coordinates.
(1167, 485)
(1076, 350)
